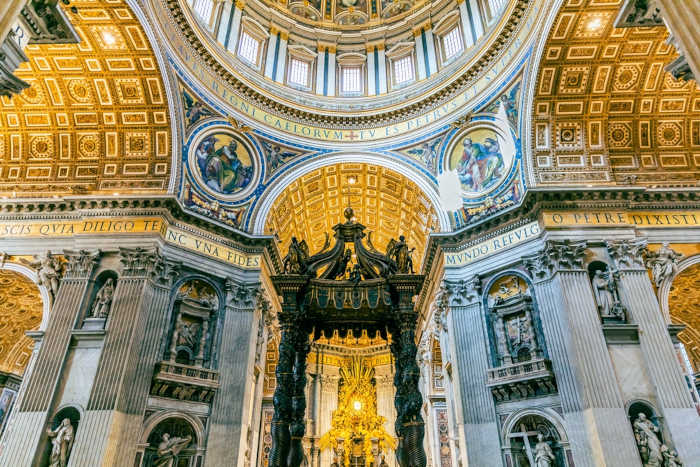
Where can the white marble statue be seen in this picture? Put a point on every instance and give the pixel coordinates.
(48, 270)
(663, 263)
(670, 457)
(61, 443)
(169, 448)
(648, 442)
(103, 300)
(602, 288)
(544, 457)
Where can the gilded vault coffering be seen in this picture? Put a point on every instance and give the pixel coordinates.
(684, 308)
(605, 111)
(95, 118)
(387, 203)
(20, 311)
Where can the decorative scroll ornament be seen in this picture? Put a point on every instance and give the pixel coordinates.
(663, 263)
(369, 262)
(628, 254)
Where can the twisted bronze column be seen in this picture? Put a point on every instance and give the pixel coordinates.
(282, 399)
(297, 423)
(410, 427)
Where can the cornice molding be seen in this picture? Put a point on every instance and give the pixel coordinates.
(499, 43)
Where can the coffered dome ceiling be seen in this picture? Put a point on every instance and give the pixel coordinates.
(605, 111)
(95, 118)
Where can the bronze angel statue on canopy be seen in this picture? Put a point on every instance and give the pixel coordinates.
(295, 261)
(399, 252)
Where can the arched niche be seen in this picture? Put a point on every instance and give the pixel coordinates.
(171, 436)
(61, 433)
(513, 321)
(98, 305)
(520, 438)
(195, 311)
(654, 444)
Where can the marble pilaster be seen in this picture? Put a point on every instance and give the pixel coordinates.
(23, 438)
(229, 420)
(113, 417)
(596, 421)
(672, 392)
(479, 423)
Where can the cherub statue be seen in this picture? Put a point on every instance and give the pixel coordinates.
(294, 262)
(61, 443)
(48, 268)
(103, 300)
(169, 448)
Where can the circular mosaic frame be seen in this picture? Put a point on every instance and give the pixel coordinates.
(196, 176)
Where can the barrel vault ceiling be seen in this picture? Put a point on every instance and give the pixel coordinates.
(685, 309)
(387, 203)
(605, 111)
(95, 118)
(20, 311)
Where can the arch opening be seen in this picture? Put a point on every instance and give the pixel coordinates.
(388, 203)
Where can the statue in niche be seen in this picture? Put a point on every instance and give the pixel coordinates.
(103, 300)
(648, 442)
(48, 269)
(401, 254)
(670, 457)
(169, 448)
(186, 334)
(61, 443)
(544, 457)
(606, 296)
(663, 263)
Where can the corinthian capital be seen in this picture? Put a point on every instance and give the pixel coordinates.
(557, 255)
(80, 263)
(462, 292)
(141, 262)
(628, 254)
(241, 296)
